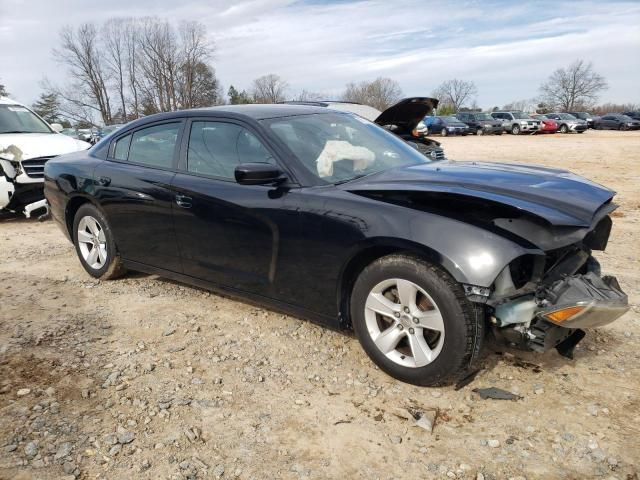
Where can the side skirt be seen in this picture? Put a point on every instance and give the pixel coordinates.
(251, 298)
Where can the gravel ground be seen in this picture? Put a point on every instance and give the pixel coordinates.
(146, 378)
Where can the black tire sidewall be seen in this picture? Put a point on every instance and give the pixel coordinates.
(93, 211)
(454, 350)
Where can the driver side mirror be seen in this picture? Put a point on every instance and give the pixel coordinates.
(56, 127)
(258, 174)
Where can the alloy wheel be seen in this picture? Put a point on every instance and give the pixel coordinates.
(404, 322)
(92, 242)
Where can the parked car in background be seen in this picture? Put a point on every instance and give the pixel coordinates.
(517, 122)
(27, 142)
(548, 125)
(70, 132)
(404, 119)
(445, 125)
(99, 133)
(616, 121)
(480, 123)
(84, 134)
(322, 214)
(568, 123)
(634, 115)
(586, 116)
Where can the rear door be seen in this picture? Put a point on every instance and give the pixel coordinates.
(230, 234)
(134, 190)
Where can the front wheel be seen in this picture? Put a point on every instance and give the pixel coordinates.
(515, 130)
(444, 132)
(95, 244)
(564, 129)
(414, 321)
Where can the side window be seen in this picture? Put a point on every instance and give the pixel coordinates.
(121, 150)
(217, 148)
(154, 146)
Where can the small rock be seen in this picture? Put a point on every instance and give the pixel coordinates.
(493, 443)
(68, 467)
(11, 448)
(145, 465)
(218, 471)
(427, 420)
(395, 439)
(479, 476)
(31, 450)
(593, 444)
(125, 436)
(50, 391)
(113, 451)
(612, 461)
(169, 331)
(64, 450)
(538, 391)
(23, 391)
(110, 439)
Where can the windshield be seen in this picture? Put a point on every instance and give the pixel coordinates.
(483, 116)
(19, 119)
(340, 147)
(521, 115)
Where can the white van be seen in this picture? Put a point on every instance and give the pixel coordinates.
(26, 143)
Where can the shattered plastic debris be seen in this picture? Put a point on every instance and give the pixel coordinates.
(496, 394)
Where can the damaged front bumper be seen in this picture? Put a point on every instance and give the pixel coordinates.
(552, 313)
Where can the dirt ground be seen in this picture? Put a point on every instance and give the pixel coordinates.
(145, 378)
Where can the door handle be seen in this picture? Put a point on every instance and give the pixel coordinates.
(183, 201)
(104, 181)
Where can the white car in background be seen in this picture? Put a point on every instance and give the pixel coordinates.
(26, 143)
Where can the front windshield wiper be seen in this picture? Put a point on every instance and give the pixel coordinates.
(340, 182)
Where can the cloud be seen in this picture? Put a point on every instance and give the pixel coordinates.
(507, 49)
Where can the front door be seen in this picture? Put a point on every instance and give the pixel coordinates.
(133, 187)
(230, 234)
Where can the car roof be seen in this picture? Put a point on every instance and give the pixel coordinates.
(260, 111)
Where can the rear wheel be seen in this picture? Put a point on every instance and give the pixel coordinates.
(564, 129)
(515, 129)
(414, 321)
(95, 245)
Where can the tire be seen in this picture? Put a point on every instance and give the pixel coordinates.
(90, 224)
(564, 129)
(444, 132)
(622, 128)
(515, 130)
(456, 331)
(480, 132)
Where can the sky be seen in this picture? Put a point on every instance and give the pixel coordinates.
(507, 48)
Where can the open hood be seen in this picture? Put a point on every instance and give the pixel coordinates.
(557, 196)
(407, 113)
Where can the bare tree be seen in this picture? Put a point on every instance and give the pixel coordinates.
(380, 93)
(307, 96)
(115, 58)
(3, 91)
(523, 105)
(454, 94)
(574, 87)
(269, 89)
(80, 51)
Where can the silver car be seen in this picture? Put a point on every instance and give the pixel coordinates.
(517, 122)
(568, 123)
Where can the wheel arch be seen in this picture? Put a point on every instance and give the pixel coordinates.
(369, 252)
(72, 207)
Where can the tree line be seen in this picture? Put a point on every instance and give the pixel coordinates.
(126, 68)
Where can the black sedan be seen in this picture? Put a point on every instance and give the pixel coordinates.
(616, 121)
(326, 215)
(480, 123)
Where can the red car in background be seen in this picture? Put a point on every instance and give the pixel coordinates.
(548, 125)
